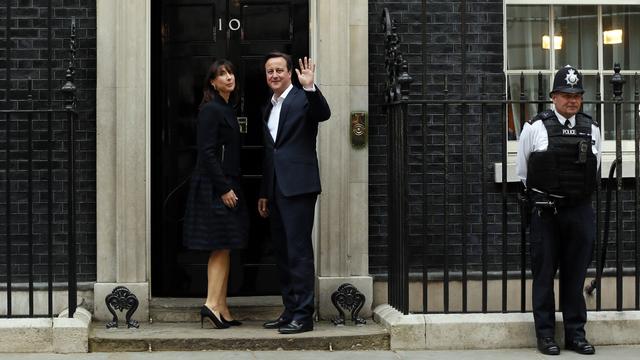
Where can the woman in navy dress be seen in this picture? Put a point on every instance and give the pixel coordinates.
(216, 218)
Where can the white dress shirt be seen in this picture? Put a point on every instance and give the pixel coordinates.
(534, 138)
(274, 116)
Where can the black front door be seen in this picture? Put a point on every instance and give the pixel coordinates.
(187, 36)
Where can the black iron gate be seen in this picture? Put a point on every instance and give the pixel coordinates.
(478, 235)
(38, 146)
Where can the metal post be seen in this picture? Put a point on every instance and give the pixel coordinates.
(636, 127)
(396, 97)
(404, 80)
(598, 192)
(50, 164)
(69, 91)
(8, 157)
(484, 138)
(425, 202)
(524, 215)
(618, 82)
(445, 206)
(30, 193)
(463, 49)
(541, 93)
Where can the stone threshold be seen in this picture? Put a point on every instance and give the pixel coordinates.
(188, 336)
(496, 330)
(188, 309)
(46, 335)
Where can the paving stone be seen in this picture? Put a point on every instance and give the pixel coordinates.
(602, 352)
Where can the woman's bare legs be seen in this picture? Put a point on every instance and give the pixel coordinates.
(217, 273)
(224, 308)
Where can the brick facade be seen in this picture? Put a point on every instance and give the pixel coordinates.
(433, 45)
(28, 57)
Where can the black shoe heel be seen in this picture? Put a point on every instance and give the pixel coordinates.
(205, 312)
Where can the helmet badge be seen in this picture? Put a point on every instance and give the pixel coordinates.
(572, 78)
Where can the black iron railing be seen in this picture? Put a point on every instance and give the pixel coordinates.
(450, 220)
(20, 156)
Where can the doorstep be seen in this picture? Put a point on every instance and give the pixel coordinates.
(188, 336)
(188, 309)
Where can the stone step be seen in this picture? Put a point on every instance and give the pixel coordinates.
(258, 308)
(188, 336)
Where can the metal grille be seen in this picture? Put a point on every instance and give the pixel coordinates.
(424, 219)
(38, 148)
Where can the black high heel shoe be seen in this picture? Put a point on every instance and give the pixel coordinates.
(230, 322)
(205, 312)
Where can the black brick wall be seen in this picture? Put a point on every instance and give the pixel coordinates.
(431, 57)
(28, 57)
(440, 54)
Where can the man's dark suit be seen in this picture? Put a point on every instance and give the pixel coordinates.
(291, 183)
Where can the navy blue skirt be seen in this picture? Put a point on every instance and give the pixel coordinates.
(211, 225)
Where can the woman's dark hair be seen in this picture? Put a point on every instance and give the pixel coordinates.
(277, 54)
(208, 91)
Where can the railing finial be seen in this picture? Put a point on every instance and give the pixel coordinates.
(404, 79)
(617, 81)
(69, 88)
(397, 68)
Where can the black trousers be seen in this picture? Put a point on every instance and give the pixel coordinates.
(561, 241)
(291, 227)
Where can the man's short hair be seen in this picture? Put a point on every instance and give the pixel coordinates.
(276, 54)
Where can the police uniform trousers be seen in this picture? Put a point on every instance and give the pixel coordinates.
(291, 227)
(561, 241)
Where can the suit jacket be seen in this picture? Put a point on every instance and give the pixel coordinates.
(208, 224)
(292, 157)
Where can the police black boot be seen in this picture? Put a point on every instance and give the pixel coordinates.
(581, 346)
(548, 346)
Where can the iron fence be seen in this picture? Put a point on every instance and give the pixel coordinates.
(480, 234)
(33, 143)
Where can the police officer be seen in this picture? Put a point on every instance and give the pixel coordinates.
(558, 158)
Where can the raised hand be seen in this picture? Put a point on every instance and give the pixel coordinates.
(306, 72)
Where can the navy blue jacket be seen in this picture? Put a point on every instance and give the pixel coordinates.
(208, 224)
(292, 157)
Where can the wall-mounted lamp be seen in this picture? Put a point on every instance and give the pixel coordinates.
(613, 36)
(557, 42)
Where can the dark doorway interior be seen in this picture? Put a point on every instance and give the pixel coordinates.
(187, 35)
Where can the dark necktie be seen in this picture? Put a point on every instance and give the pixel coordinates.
(567, 123)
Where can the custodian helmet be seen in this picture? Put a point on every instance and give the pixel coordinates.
(567, 80)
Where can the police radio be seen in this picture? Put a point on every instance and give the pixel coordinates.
(583, 147)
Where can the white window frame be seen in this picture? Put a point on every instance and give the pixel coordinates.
(608, 146)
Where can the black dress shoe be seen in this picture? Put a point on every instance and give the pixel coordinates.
(296, 327)
(581, 346)
(275, 324)
(548, 346)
